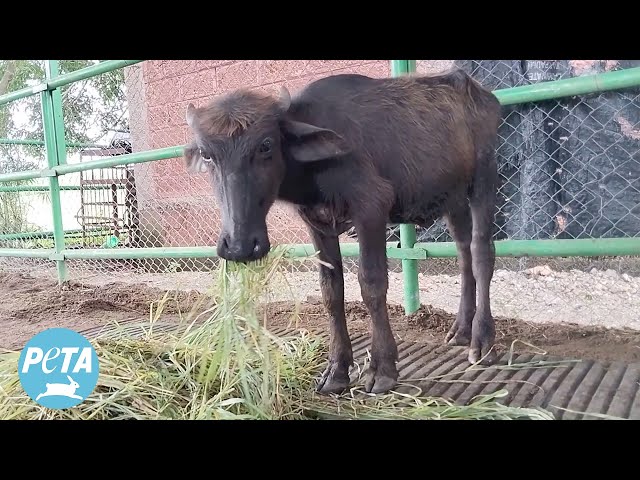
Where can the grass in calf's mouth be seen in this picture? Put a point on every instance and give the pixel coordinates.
(223, 363)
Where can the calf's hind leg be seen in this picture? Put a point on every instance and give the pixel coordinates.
(459, 223)
(483, 207)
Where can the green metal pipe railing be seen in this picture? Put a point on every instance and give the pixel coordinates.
(411, 289)
(421, 251)
(127, 159)
(42, 188)
(56, 156)
(108, 162)
(570, 87)
(27, 253)
(48, 234)
(21, 176)
(526, 93)
(408, 251)
(91, 71)
(62, 80)
(22, 93)
(293, 250)
(588, 247)
(26, 141)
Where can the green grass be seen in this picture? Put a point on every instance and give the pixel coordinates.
(223, 363)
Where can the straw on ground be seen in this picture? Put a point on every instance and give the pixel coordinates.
(223, 363)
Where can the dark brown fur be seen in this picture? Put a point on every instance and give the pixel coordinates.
(234, 112)
(356, 151)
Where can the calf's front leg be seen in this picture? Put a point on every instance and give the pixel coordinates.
(382, 374)
(335, 378)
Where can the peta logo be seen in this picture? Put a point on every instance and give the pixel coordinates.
(58, 368)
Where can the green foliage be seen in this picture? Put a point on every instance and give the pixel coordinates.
(13, 214)
(97, 103)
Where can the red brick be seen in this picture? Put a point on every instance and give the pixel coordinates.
(175, 188)
(271, 89)
(323, 66)
(167, 137)
(293, 85)
(177, 223)
(202, 216)
(270, 71)
(237, 75)
(190, 225)
(196, 85)
(163, 91)
(157, 117)
(170, 219)
(170, 167)
(433, 66)
(299, 83)
(209, 64)
(201, 185)
(176, 113)
(175, 68)
(202, 101)
(181, 196)
(152, 70)
(376, 69)
(187, 134)
(170, 187)
(285, 226)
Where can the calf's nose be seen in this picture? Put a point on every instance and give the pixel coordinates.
(241, 249)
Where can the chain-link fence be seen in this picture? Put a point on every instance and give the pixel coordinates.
(569, 169)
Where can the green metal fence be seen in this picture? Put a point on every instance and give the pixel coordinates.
(409, 250)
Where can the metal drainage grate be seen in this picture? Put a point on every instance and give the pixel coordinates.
(570, 389)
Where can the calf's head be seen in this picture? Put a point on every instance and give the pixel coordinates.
(246, 143)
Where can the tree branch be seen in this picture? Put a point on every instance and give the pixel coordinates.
(9, 73)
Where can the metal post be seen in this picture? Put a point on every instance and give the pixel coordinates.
(56, 155)
(408, 232)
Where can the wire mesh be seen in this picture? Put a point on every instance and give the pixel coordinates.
(568, 167)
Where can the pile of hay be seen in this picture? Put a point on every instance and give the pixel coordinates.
(225, 364)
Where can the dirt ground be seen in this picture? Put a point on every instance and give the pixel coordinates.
(29, 304)
(589, 297)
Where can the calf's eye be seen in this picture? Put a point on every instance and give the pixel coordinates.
(265, 147)
(204, 156)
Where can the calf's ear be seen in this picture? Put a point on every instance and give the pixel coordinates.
(193, 160)
(308, 143)
(191, 115)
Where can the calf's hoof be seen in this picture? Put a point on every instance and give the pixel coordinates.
(335, 379)
(482, 350)
(381, 379)
(458, 336)
(482, 356)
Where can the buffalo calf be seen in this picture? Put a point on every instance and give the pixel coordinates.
(351, 151)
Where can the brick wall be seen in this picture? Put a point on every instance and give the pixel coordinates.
(176, 208)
